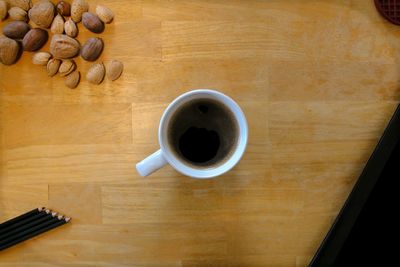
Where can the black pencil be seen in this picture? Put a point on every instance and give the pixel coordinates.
(27, 231)
(15, 230)
(33, 233)
(20, 217)
(22, 222)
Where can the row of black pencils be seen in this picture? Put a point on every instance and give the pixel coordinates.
(29, 225)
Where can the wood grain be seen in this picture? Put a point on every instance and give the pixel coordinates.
(317, 80)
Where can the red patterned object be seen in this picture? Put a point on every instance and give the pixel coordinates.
(389, 9)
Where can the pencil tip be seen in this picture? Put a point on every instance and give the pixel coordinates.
(47, 211)
(67, 219)
(60, 217)
(54, 214)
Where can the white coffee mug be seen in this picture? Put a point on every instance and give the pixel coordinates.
(165, 155)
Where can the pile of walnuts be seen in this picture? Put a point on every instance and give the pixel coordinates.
(20, 36)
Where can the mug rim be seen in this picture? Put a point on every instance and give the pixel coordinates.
(177, 163)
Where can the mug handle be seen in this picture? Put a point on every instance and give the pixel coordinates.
(152, 163)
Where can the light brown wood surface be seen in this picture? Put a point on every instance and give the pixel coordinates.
(317, 80)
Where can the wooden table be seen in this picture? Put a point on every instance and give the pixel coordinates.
(318, 81)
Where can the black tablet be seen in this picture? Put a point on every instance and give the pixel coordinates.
(365, 233)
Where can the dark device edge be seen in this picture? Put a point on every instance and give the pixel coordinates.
(336, 236)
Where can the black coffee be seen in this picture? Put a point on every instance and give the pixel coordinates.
(199, 145)
(203, 132)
